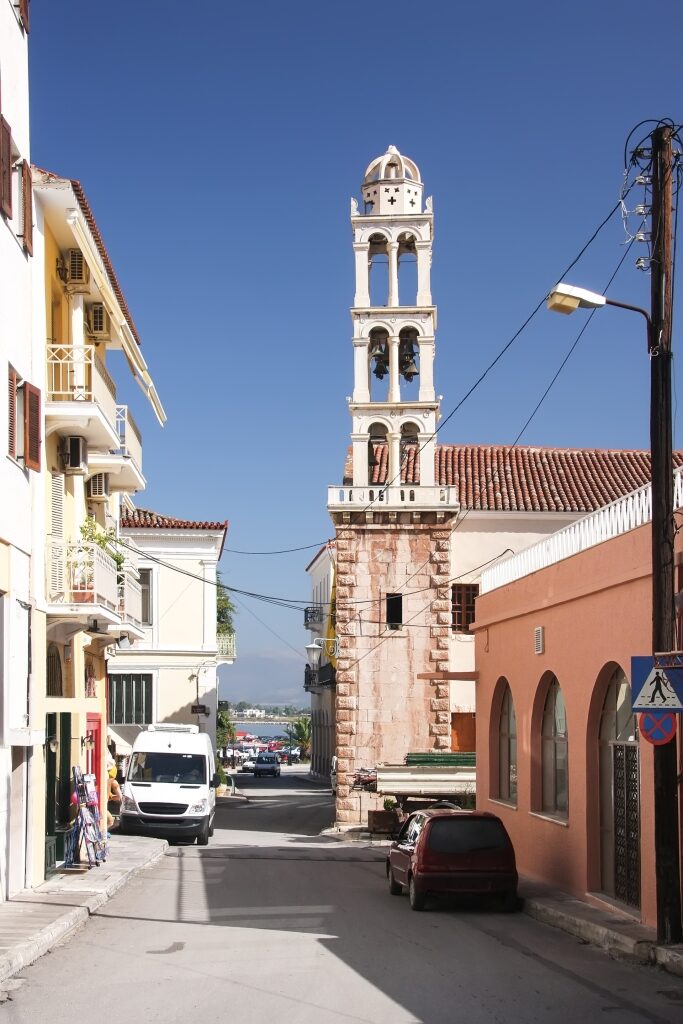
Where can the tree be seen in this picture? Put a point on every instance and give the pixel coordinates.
(301, 730)
(225, 729)
(225, 610)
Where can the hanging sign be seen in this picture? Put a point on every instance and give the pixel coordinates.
(658, 727)
(656, 688)
(200, 709)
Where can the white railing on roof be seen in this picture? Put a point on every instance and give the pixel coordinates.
(225, 642)
(626, 514)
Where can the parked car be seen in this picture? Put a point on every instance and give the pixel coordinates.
(441, 851)
(248, 765)
(267, 764)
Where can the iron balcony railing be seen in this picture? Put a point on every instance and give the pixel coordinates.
(225, 643)
(313, 616)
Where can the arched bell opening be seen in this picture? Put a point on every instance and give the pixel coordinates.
(378, 261)
(410, 453)
(407, 269)
(378, 453)
(409, 363)
(378, 362)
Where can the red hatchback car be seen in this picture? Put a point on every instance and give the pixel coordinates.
(444, 851)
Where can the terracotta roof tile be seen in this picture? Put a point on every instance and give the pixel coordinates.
(526, 479)
(144, 517)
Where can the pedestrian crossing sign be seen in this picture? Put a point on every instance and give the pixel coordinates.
(654, 688)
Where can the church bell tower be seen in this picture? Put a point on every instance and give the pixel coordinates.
(394, 408)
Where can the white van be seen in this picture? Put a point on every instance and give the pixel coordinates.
(170, 786)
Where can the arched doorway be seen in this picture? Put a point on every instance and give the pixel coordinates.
(619, 794)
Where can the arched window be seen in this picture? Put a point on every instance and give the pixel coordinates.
(507, 750)
(378, 254)
(554, 754)
(54, 671)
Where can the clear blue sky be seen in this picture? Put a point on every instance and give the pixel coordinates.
(219, 144)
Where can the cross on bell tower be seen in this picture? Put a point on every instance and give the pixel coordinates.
(393, 403)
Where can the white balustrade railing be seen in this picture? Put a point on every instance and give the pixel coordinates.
(77, 374)
(129, 435)
(80, 574)
(377, 497)
(226, 645)
(130, 600)
(619, 517)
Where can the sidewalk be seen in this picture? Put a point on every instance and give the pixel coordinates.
(36, 919)
(616, 932)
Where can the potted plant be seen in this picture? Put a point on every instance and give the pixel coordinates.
(386, 820)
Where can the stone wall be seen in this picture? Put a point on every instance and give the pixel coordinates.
(383, 710)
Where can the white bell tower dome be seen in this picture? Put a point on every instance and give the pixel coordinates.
(394, 322)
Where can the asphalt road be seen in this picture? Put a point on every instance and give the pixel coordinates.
(273, 923)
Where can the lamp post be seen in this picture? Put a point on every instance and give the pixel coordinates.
(565, 298)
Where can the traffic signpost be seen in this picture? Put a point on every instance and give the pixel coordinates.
(657, 683)
(658, 727)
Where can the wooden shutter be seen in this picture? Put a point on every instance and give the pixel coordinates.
(12, 414)
(27, 207)
(32, 427)
(23, 13)
(5, 167)
(56, 558)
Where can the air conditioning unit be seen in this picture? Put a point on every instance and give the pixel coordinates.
(98, 320)
(97, 487)
(74, 454)
(77, 270)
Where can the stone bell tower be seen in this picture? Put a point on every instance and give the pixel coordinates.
(394, 323)
(393, 518)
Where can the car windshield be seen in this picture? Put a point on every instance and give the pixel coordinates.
(466, 835)
(189, 769)
(266, 758)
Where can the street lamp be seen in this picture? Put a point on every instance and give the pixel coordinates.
(565, 298)
(330, 645)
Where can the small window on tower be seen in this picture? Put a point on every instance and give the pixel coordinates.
(394, 611)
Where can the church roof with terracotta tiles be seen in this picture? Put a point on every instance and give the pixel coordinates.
(144, 518)
(525, 479)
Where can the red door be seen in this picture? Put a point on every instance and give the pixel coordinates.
(93, 753)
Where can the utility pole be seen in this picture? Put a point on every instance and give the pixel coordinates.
(667, 860)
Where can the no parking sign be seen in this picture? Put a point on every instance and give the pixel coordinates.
(658, 727)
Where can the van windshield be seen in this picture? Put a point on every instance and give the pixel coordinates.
(189, 769)
(466, 835)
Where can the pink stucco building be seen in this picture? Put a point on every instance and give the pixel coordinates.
(560, 757)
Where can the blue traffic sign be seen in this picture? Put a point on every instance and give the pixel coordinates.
(654, 688)
(658, 727)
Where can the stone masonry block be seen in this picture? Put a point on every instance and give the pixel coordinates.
(438, 580)
(343, 689)
(442, 743)
(345, 729)
(439, 631)
(439, 691)
(347, 703)
(344, 817)
(443, 545)
(443, 643)
(346, 677)
(345, 581)
(440, 606)
(439, 704)
(442, 717)
(438, 656)
(346, 716)
(440, 557)
(347, 805)
(342, 791)
(441, 534)
(346, 751)
(439, 730)
(443, 618)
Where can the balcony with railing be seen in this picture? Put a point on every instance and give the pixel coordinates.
(619, 517)
(130, 603)
(123, 463)
(313, 616)
(81, 395)
(227, 648)
(81, 574)
(346, 499)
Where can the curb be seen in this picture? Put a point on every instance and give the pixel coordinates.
(643, 950)
(26, 953)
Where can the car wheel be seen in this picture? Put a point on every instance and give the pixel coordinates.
(211, 829)
(395, 888)
(417, 899)
(203, 837)
(510, 901)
